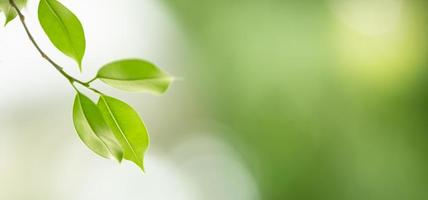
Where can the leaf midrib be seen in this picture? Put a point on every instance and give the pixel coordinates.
(120, 129)
(92, 128)
(63, 26)
(137, 79)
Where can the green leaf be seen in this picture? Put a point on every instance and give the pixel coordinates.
(93, 130)
(63, 29)
(128, 128)
(10, 12)
(134, 75)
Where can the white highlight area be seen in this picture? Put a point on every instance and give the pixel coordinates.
(216, 168)
(371, 17)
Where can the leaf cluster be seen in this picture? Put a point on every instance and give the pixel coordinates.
(109, 127)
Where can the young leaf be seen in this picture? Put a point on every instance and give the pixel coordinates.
(93, 130)
(10, 12)
(134, 75)
(128, 128)
(63, 29)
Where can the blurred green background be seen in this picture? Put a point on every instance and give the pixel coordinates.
(328, 99)
(276, 99)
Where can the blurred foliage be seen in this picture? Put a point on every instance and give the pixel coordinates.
(278, 73)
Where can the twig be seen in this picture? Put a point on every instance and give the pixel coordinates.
(42, 53)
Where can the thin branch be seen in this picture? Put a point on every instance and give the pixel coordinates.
(42, 53)
(92, 80)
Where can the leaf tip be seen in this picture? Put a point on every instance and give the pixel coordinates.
(176, 78)
(141, 166)
(9, 15)
(119, 158)
(79, 64)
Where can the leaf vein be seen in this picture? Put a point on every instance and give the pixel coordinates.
(90, 126)
(120, 129)
(63, 27)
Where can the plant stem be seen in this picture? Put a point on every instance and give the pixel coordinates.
(42, 53)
